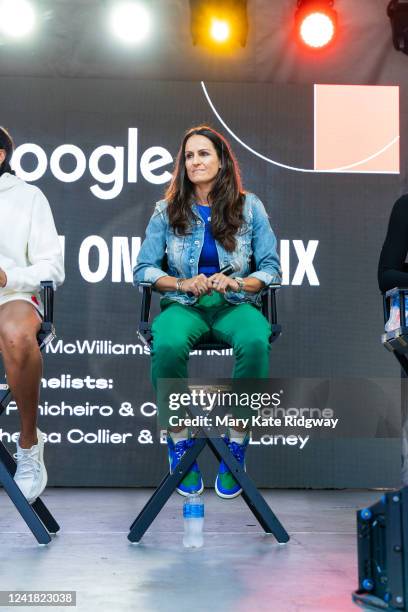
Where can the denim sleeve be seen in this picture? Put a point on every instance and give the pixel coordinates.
(147, 268)
(266, 257)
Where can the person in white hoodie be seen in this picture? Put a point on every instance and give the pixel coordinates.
(30, 252)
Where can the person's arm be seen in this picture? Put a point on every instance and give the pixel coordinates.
(392, 270)
(149, 261)
(150, 257)
(266, 258)
(43, 252)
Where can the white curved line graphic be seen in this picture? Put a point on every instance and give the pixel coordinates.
(276, 163)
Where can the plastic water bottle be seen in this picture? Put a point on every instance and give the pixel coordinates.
(193, 514)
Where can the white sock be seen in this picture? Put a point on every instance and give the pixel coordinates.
(176, 436)
(237, 436)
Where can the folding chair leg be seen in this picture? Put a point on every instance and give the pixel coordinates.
(5, 398)
(253, 498)
(263, 513)
(169, 483)
(40, 508)
(45, 515)
(30, 517)
(403, 360)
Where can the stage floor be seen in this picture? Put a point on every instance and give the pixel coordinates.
(239, 568)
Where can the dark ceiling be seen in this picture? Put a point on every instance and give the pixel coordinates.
(73, 40)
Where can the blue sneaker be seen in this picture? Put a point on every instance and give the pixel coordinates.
(225, 484)
(192, 482)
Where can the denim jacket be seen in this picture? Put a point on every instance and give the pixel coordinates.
(254, 238)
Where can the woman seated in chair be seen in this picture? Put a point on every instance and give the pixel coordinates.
(206, 222)
(392, 267)
(29, 253)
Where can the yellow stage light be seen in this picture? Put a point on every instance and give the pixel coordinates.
(220, 30)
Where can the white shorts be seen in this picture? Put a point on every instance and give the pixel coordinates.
(32, 298)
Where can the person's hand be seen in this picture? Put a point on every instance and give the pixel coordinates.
(3, 278)
(197, 285)
(221, 283)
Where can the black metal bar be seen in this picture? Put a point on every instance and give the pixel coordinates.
(402, 360)
(45, 515)
(252, 497)
(5, 399)
(394, 549)
(274, 314)
(386, 309)
(146, 301)
(48, 291)
(7, 459)
(265, 305)
(402, 308)
(29, 516)
(156, 502)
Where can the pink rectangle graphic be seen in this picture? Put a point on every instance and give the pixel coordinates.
(357, 128)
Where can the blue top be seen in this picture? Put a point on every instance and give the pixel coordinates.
(208, 263)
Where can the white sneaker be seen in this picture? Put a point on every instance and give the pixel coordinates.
(31, 475)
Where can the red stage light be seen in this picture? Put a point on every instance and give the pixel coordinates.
(316, 22)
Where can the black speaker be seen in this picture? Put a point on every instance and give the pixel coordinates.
(382, 540)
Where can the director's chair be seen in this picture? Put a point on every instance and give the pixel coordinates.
(210, 436)
(37, 516)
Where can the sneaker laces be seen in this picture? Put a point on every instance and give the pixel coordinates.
(27, 464)
(181, 447)
(238, 450)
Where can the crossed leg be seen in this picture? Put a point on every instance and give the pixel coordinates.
(19, 325)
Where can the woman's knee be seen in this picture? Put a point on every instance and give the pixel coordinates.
(170, 349)
(17, 340)
(253, 346)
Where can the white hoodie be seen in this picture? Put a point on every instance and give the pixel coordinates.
(30, 251)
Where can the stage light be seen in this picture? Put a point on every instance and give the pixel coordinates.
(130, 21)
(397, 11)
(220, 30)
(316, 22)
(219, 23)
(17, 18)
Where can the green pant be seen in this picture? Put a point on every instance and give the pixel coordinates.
(178, 328)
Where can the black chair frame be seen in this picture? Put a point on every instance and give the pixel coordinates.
(37, 516)
(210, 436)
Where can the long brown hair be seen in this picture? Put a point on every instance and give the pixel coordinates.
(7, 144)
(226, 196)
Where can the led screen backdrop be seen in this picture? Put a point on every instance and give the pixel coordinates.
(325, 162)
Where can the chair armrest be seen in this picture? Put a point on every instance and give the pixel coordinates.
(395, 290)
(48, 289)
(402, 292)
(47, 330)
(144, 329)
(269, 309)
